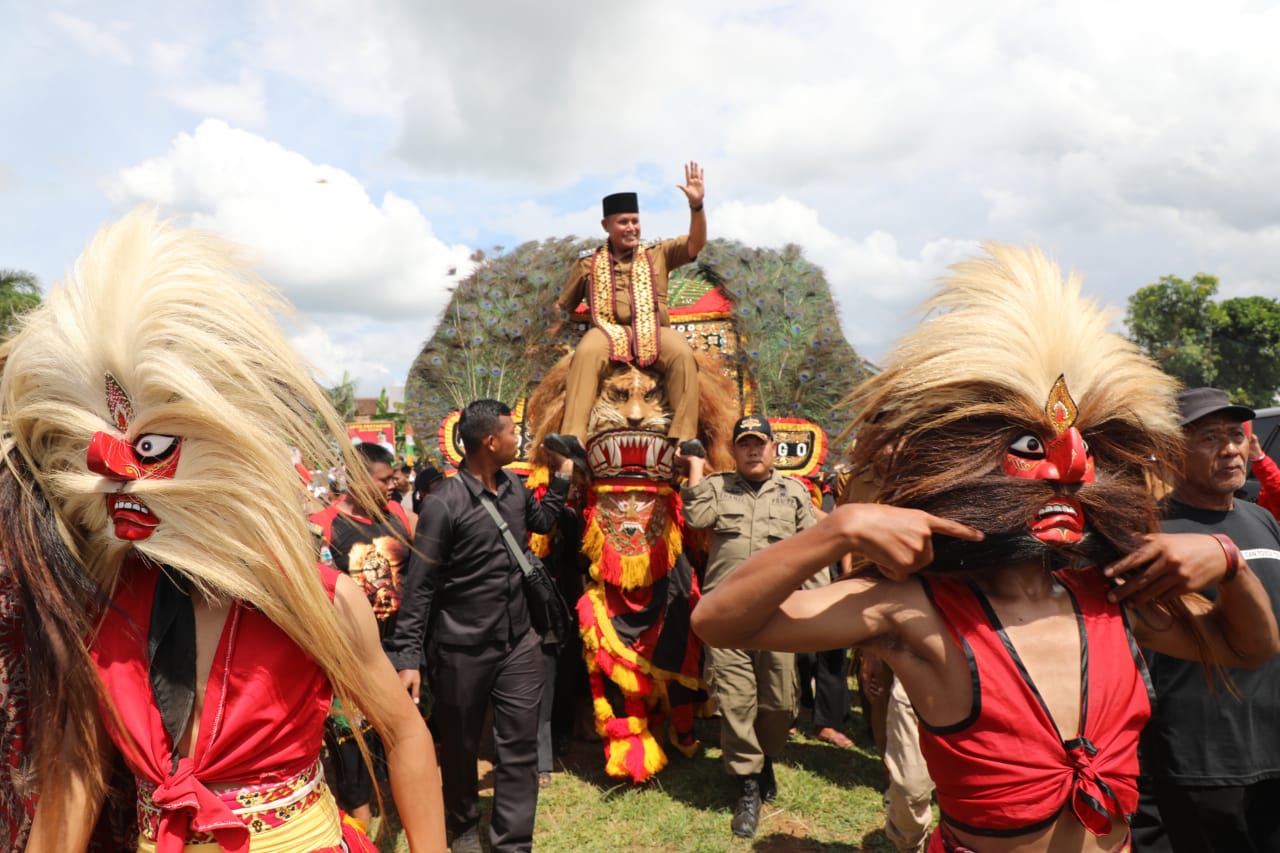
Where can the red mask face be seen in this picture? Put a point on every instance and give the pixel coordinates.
(1064, 460)
(149, 456)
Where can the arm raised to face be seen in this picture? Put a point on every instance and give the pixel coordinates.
(757, 605)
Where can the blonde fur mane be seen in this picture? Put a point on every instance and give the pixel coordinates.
(177, 318)
(996, 335)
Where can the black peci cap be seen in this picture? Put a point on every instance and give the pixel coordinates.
(620, 203)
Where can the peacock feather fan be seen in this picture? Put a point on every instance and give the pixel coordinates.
(494, 338)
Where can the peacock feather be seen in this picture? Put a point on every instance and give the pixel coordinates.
(493, 339)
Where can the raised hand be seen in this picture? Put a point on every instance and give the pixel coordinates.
(692, 186)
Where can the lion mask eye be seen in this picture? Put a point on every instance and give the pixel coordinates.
(1028, 446)
(153, 447)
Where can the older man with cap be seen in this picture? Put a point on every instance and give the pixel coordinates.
(747, 510)
(1212, 758)
(625, 285)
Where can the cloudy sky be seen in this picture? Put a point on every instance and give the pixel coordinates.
(362, 151)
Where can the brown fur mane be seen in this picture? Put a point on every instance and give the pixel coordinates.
(716, 410)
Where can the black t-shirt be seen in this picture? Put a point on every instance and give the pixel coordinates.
(1198, 737)
(373, 553)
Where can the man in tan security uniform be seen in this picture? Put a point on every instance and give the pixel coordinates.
(747, 510)
(625, 285)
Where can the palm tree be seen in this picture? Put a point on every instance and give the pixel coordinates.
(19, 293)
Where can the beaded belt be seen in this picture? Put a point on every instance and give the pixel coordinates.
(264, 806)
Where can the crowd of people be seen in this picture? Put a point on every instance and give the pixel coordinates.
(1064, 613)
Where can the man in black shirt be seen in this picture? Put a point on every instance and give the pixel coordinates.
(482, 647)
(371, 551)
(1214, 757)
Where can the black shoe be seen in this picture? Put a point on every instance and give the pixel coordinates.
(768, 784)
(467, 842)
(693, 447)
(746, 817)
(567, 446)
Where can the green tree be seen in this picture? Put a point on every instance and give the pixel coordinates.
(343, 397)
(1233, 345)
(1173, 321)
(19, 292)
(1248, 344)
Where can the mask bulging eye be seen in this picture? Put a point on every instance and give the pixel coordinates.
(153, 447)
(1028, 446)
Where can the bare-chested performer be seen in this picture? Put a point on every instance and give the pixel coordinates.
(1025, 437)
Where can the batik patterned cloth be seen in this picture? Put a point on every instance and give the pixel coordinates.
(16, 806)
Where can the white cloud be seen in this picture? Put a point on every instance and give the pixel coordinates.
(243, 102)
(316, 232)
(91, 38)
(345, 52)
(1130, 140)
(169, 58)
(875, 284)
(375, 355)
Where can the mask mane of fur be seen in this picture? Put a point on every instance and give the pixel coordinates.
(977, 372)
(176, 317)
(716, 409)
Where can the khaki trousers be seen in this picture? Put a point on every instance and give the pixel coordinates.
(591, 361)
(756, 692)
(910, 788)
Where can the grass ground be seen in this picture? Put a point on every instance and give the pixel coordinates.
(829, 801)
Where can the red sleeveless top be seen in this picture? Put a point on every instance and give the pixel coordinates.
(262, 720)
(1004, 770)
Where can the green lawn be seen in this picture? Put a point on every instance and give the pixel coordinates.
(829, 800)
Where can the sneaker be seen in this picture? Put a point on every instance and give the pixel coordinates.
(768, 784)
(467, 842)
(746, 817)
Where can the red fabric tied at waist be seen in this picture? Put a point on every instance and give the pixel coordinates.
(1092, 800)
(187, 806)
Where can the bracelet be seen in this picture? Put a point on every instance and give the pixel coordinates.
(697, 209)
(1233, 556)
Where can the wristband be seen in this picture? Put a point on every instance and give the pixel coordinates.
(697, 209)
(1233, 556)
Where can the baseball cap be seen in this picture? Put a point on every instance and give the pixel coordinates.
(1196, 403)
(752, 425)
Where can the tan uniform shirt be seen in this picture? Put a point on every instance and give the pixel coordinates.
(663, 257)
(744, 521)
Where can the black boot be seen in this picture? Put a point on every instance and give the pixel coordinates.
(693, 447)
(566, 445)
(747, 814)
(768, 784)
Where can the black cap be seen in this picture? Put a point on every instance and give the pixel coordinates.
(1196, 403)
(426, 477)
(752, 425)
(620, 203)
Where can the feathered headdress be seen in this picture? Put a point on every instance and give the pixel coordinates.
(165, 332)
(1007, 347)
